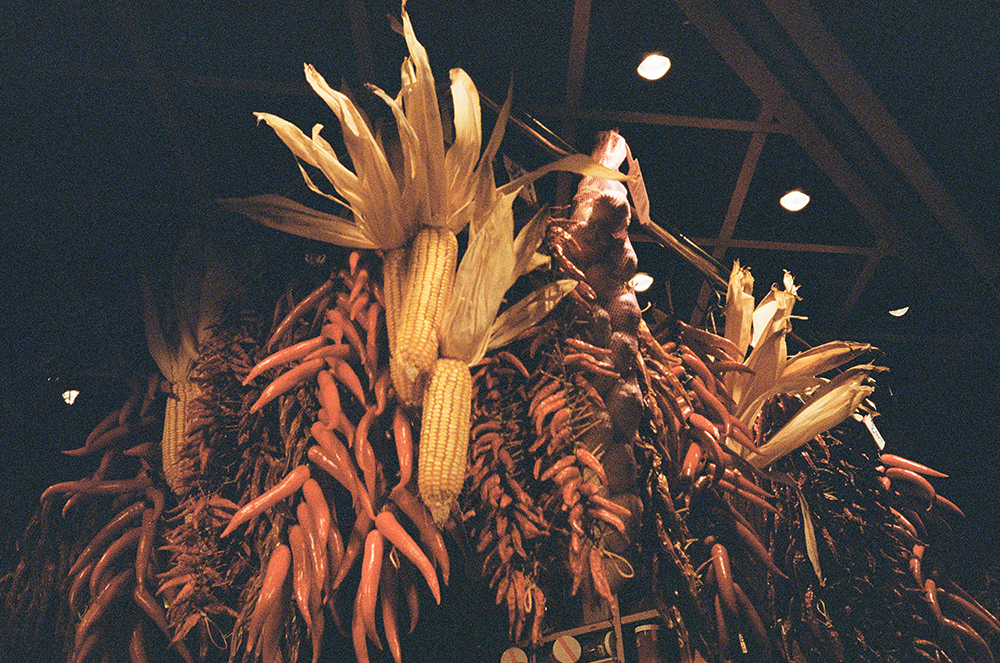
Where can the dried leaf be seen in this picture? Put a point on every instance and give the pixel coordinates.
(827, 407)
(288, 216)
(527, 312)
(739, 307)
(527, 242)
(823, 358)
(812, 550)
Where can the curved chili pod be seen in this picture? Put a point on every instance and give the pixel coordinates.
(724, 577)
(284, 488)
(270, 590)
(371, 569)
(397, 536)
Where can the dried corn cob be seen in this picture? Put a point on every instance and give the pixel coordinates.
(175, 432)
(444, 436)
(393, 282)
(430, 276)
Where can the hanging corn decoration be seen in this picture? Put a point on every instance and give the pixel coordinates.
(175, 433)
(430, 276)
(444, 436)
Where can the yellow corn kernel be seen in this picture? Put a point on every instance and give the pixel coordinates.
(444, 436)
(393, 282)
(430, 276)
(175, 433)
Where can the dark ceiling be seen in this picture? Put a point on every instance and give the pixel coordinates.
(124, 119)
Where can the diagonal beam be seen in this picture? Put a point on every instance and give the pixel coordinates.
(659, 119)
(574, 86)
(736, 201)
(748, 65)
(821, 50)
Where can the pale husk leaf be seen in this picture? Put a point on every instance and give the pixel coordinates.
(380, 212)
(463, 155)
(739, 307)
(421, 104)
(484, 275)
(527, 242)
(529, 311)
(827, 407)
(286, 215)
(808, 530)
(823, 358)
(581, 164)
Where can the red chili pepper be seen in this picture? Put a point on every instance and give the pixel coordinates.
(382, 384)
(286, 381)
(293, 316)
(756, 624)
(334, 549)
(428, 532)
(513, 361)
(557, 467)
(284, 488)
(329, 396)
(692, 462)
(155, 612)
(346, 375)
(315, 547)
(390, 617)
(917, 481)
(606, 516)
(693, 362)
(968, 635)
(99, 606)
(724, 577)
(292, 353)
(109, 531)
(599, 575)
(319, 508)
(754, 544)
(127, 541)
(371, 567)
(402, 435)
(393, 531)
(355, 544)
(903, 463)
(302, 582)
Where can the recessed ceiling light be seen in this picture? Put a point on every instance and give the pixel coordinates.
(899, 312)
(654, 66)
(794, 200)
(69, 396)
(641, 282)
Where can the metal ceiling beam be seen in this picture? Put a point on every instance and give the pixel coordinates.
(790, 247)
(821, 50)
(750, 67)
(574, 86)
(736, 201)
(660, 119)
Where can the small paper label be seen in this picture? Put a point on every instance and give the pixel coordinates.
(869, 422)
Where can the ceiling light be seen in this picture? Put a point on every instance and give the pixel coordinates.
(899, 312)
(69, 396)
(641, 282)
(794, 200)
(654, 66)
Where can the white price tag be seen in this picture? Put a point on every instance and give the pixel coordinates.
(869, 422)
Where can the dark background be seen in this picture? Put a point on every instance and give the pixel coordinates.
(123, 120)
